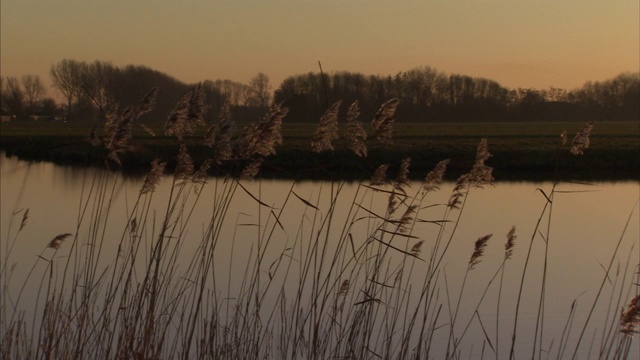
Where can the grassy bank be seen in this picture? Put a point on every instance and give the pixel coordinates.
(522, 151)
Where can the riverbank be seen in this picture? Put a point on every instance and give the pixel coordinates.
(521, 151)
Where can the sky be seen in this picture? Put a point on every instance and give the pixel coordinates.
(519, 43)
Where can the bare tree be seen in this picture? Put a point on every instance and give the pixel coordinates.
(97, 82)
(13, 96)
(239, 94)
(66, 76)
(33, 89)
(79, 80)
(260, 89)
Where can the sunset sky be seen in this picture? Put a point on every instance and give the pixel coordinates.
(519, 43)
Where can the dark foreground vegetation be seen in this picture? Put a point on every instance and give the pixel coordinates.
(340, 286)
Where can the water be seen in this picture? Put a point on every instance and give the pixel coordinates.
(585, 234)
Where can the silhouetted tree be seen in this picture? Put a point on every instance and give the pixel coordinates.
(13, 96)
(66, 77)
(33, 89)
(98, 83)
(260, 90)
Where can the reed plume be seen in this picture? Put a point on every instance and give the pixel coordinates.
(380, 176)
(258, 141)
(57, 241)
(400, 272)
(402, 180)
(200, 176)
(117, 127)
(581, 140)
(382, 124)
(630, 318)
(25, 217)
(153, 177)
(184, 165)
(407, 218)
(196, 109)
(134, 225)
(344, 288)
(221, 138)
(356, 135)
(480, 173)
(117, 133)
(261, 139)
(175, 124)
(478, 251)
(459, 191)
(417, 248)
(327, 129)
(187, 114)
(242, 144)
(148, 102)
(392, 205)
(251, 170)
(434, 178)
(511, 241)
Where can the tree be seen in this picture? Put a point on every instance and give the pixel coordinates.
(48, 106)
(33, 89)
(260, 90)
(98, 83)
(66, 76)
(13, 96)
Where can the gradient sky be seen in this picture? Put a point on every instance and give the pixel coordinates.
(519, 43)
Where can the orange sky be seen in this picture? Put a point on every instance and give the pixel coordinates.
(519, 43)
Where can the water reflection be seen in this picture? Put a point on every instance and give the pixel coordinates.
(584, 228)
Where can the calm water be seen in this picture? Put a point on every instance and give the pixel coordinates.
(585, 225)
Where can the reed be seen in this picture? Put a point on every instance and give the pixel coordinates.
(327, 275)
(327, 130)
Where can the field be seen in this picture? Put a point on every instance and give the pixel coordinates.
(505, 135)
(522, 150)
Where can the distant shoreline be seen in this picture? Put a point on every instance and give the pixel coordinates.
(294, 161)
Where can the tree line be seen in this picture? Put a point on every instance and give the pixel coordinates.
(426, 94)
(25, 97)
(92, 89)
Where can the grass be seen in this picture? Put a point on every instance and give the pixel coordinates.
(441, 136)
(344, 285)
(523, 151)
